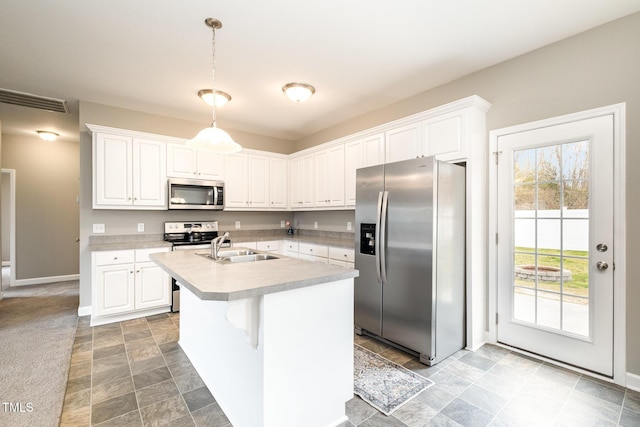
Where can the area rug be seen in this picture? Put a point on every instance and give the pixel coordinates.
(37, 331)
(383, 384)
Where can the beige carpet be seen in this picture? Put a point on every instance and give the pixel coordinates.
(37, 330)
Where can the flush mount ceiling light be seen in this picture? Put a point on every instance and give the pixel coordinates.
(213, 138)
(46, 135)
(298, 92)
(221, 97)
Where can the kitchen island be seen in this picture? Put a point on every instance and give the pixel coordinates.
(271, 339)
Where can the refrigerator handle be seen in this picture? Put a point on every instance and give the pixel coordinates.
(377, 237)
(383, 237)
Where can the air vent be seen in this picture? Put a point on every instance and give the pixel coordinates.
(33, 101)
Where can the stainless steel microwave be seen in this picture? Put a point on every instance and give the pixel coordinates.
(196, 194)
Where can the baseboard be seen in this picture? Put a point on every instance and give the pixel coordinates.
(84, 311)
(633, 381)
(6, 263)
(42, 280)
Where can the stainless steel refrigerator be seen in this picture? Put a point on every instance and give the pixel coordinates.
(410, 251)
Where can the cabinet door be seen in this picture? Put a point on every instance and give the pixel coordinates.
(444, 136)
(352, 161)
(335, 174)
(181, 161)
(115, 289)
(302, 182)
(278, 183)
(149, 173)
(210, 165)
(403, 143)
(152, 286)
(321, 178)
(258, 182)
(112, 178)
(236, 189)
(307, 175)
(373, 150)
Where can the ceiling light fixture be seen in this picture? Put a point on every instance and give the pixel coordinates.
(222, 98)
(47, 135)
(298, 92)
(213, 138)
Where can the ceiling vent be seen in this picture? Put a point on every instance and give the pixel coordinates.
(33, 101)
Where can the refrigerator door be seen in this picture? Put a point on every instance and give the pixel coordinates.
(367, 287)
(408, 291)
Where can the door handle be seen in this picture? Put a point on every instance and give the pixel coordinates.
(601, 265)
(383, 237)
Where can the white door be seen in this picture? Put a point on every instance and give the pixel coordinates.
(555, 242)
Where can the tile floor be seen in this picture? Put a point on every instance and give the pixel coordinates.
(133, 373)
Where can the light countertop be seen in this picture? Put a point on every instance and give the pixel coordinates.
(212, 280)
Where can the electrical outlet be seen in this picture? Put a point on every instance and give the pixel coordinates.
(98, 228)
(140, 227)
(348, 225)
(315, 224)
(237, 224)
(281, 224)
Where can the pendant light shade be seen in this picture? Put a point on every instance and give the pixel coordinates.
(213, 138)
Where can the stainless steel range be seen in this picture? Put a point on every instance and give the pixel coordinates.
(187, 236)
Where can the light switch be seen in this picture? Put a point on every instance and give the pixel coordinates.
(237, 224)
(315, 224)
(98, 228)
(348, 225)
(140, 227)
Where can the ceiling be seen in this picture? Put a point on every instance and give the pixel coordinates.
(361, 55)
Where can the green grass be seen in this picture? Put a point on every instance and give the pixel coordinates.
(575, 261)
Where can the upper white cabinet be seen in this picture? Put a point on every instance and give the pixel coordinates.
(404, 143)
(301, 182)
(186, 162)
(353, 160)
(247, 181)
(128, 172)
(373, 150)
(329, 177)
(278, 183)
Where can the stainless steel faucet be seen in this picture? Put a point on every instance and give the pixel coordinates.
(216, 244)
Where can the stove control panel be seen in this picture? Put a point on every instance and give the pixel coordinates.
(185, 227)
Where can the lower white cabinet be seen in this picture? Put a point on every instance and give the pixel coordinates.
(342, 256)
(268, 246)
(127, 282)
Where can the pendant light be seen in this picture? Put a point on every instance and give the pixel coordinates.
(213, 138)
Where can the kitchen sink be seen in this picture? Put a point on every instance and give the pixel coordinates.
(227, 254)
(239, 256)
(249, 258)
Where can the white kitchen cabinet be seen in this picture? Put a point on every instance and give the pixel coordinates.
(373, 150)
(290, 249)
(128, 173)
(301, 181)
(329, 177)
(278, 183)
(341, 256)
(315, 253)
(127, 284)
(186, 162)
(247, 181)
(268, 246)
(404, 143)
(353, 160)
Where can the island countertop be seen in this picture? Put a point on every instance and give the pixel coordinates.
(220, 281)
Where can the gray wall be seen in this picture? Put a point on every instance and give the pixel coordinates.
(47, 184)
(4, 215)
(124, 222)
(593, 69)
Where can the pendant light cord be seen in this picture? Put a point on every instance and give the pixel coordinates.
(213, 76)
